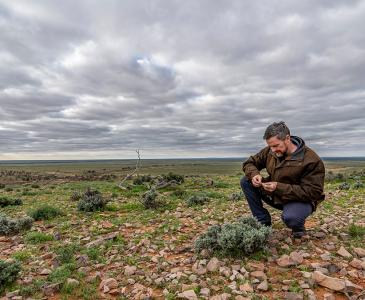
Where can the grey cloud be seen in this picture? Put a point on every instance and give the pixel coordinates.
(198, 77)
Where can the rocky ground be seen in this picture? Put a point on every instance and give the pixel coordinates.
(128, 252)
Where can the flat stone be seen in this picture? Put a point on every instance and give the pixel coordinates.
(332, 283)
(45, 272)
(344, 253)
(293, 296)
(224, 296)
(130, 270)
(108, 284)
(328, 296)
(284, 261)
(189, 294)
(213, 264)
(360, 252)
(199, 269)
(259, 274)
(246, 287)
(356, 263)
(296, 257)
(205, 292)
(263, 286)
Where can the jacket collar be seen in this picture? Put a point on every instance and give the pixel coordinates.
(299, 153)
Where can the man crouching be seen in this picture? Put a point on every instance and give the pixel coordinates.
(295, 182)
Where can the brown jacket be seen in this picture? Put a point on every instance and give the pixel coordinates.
(300, 176)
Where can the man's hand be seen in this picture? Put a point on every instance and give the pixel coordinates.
(269, 186)
(256, 180)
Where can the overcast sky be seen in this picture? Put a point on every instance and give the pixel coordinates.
(99, 79)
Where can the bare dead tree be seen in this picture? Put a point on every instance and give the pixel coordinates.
(138, 165)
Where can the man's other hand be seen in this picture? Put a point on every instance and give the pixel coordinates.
(269, 186)
(257, 180)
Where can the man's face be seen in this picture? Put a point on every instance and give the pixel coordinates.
(278, 146)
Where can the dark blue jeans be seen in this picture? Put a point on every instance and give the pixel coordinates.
(294, 213)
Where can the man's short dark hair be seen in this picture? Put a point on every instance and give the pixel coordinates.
(280, 130)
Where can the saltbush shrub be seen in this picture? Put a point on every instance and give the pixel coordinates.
(358, 185)
(172, 176)
(196, 200)
(5, 201)
(92, 200)
(9, 272)
(150, 199)
(344, 186)
(141, 179)
(36, 237)
(236, 196)
(10, 226)
(243, 237)
(75, 196)
(45, 212)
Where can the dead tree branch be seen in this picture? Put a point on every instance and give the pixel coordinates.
(138, 165)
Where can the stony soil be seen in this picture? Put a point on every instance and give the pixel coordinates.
(127, 252)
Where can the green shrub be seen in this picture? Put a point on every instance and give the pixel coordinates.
(344, 186)
(76, 196)
(236, 196)
(9, 272)
(141, 179)
(8, 189)
(243, 237)
(5, 201)
(10, 226)
(66, 254)
(178, 193)
(91, 200)
(2, 186)
(36, 237)
(171, 176)
(356, 231)
(45, 212)
(196, 200)
(35, 186)
(358, 185)
(150, 199)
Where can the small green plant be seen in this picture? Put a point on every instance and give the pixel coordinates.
(8, 189)
(9, 226)
(76, 196)
(150, 199)
(66, 254)
(22, 255)
(172, 176)
(356, 231)
(92, 200)
(9, 272)
(142, 179)
(178, 192)
(2, 186)
(243, 237)
(45, 212)
(60, 274)
(358, 185)
(35, 186)
(344, 186)
(5, 201)
(36, 237)
(196, 200)
(236, 196)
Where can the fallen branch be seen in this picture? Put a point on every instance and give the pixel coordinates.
(138, 164)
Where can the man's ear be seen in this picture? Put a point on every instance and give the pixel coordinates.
(287, 138)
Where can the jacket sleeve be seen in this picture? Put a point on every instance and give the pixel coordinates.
(254, 164)
(310, 187)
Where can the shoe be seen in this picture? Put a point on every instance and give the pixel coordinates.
(298, 234)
